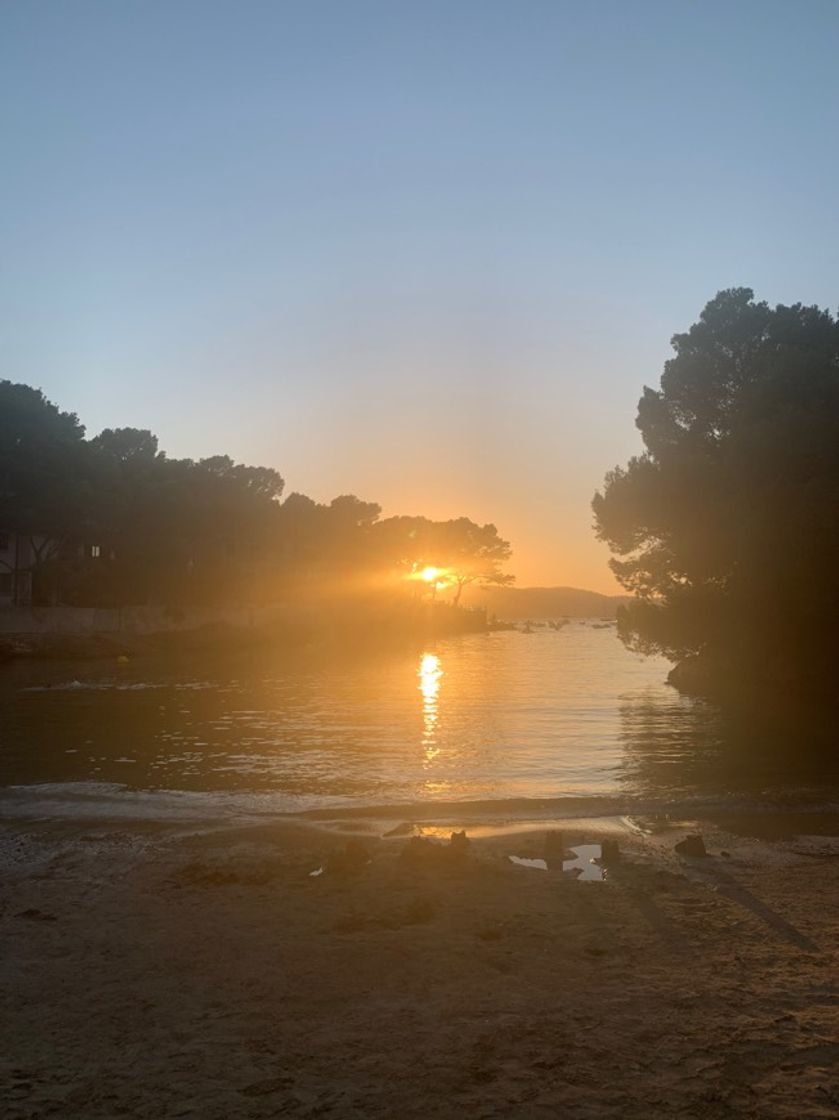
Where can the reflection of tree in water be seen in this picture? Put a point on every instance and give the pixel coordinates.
(691, 747)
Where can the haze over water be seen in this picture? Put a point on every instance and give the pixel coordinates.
(505, 716)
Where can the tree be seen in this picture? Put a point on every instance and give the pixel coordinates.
(726, 528)
(473, 554)
(127, 445)
(455, 553)
(259, 482)
(186, 532)
(113, 522)
(48, 476)
(322, 542)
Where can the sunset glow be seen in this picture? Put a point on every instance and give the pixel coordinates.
(431, 575)
(419, 465)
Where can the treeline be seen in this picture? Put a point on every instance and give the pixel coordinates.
(113, 521)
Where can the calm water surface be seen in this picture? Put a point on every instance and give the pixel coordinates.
(501, 716)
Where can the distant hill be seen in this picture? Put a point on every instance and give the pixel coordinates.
(544, 602)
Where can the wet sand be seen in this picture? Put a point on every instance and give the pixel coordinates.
(153, 970)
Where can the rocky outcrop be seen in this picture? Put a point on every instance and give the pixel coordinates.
(693, 676)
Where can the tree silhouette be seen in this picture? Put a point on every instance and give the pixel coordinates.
(473, 554)
(726, 528)
(48, 475)
(459, 551)
(127, 445)
(114, 522)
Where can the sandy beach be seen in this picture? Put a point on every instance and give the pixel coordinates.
(166, 970)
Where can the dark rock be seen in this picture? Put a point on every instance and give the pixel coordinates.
(692, 845)
(610, 851)
(692, 676)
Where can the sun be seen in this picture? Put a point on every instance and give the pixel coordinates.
(430, 574)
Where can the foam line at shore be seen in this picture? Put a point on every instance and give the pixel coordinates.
(98, 800)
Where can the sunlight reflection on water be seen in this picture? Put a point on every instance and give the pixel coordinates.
(429, 674)
(501, 716)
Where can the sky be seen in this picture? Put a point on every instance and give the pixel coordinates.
(424, 252)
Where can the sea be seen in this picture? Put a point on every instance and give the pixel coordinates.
(529, 723)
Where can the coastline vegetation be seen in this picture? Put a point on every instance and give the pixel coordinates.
(112, 521)
(725, 529)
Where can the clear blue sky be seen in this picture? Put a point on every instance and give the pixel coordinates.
(425, 252)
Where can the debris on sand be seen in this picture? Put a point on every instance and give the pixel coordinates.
(421, 852)
(692, 845)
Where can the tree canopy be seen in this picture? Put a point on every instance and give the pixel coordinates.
(44, 465)
(456, 553)
(114, 521)
(726, 528)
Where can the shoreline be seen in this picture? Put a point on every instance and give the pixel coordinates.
(71, 633)
(93, 800)
(170, 969)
